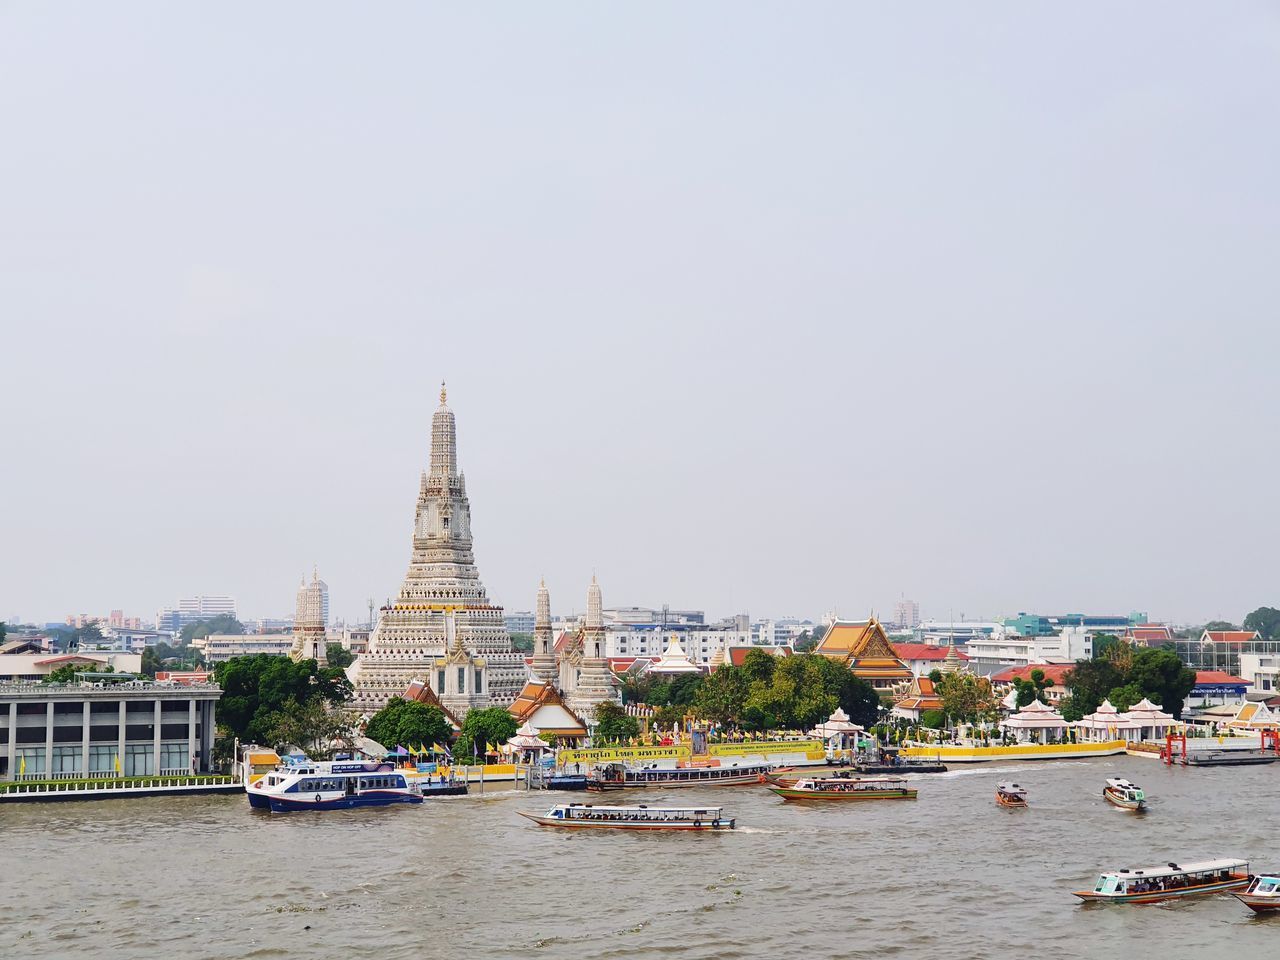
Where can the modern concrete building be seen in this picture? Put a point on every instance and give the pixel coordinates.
(37, 666)
(103, 729)
(519, 621)
(224, 646)
(193, 610)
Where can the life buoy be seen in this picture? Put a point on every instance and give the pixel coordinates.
(319, 799)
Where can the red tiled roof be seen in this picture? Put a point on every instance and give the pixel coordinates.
(1231, 636)
(69, 658)
(1150, 631)
(563, 641)
(924, 651)
(1218, 676)
(738, 655)
(1056, 672)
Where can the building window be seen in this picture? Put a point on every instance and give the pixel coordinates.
(440, 682)
(175, 755)
(139, 760)
(462, 679)
(102, 759)
(34, 757)
(66, 760)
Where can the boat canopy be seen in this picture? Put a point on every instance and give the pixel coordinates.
(1178, 869)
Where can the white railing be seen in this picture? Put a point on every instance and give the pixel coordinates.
(139, 785)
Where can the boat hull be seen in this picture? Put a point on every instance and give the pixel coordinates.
(1123, 804)
(1159, 896)
(1010, 801)
(1259, 904)
(286, 804)
(790, 794)
(705, 826)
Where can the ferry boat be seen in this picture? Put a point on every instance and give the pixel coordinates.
(1263, 893)
(331, 785)
(1124, 794)
(1010, 795)
(1171, 882)
(587, 816)
(846, 788)
(616, 776)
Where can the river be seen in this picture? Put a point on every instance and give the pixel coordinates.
(950, 875)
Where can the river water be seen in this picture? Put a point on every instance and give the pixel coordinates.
(950, 875)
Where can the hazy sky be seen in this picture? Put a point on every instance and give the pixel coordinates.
(770, 307)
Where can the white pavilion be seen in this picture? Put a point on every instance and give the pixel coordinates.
(674, 661)
(1033, 723)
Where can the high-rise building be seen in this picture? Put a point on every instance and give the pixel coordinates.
(906, 613)
(442, 610)
(193, 610)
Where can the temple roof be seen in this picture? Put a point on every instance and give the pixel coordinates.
(541, 704)
(420, 692)
(674, 660)
(865, 647)
(921, 695)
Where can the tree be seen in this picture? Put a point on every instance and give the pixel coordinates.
(1032, 688)
(1266, 620)
(224, 624)
(757, 666)
(722, 695)
(408, 723)
(967, 698)
(522, 642)
(338, 656)
(1162, 677)
(88, 634)
(257, 688)
(2, 631)
(1104, 642)
(808, 641)
(311, 726)
(68, 673)
(1122, 698)
(614, 725)
(1220, 625)
(1090, 682)
(933, 719)
(161, 656)
(483, 727)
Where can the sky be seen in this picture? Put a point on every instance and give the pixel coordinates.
(742, 306)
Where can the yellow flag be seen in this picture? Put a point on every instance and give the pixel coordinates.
(22, 766)
(117, 763)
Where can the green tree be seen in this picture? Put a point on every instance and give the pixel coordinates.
(522, 642)
(1220, 625)
(1032, 688)
(67, 674)
(757, 666)
(933, 719)
(313, 726)
(87, 635)
(1104, 642)
(808, 641)
(1162, 677)
(1090, 681)
(967, 698)
(409, 724)
(338, 655)
(1266, 620)
(223, 624)
(257, 688)
(722, 695)
(483, 727)
(613, 725)
(161, 656)
(1122, 698)
(2, 631)
(684, 688)
(1069, 709)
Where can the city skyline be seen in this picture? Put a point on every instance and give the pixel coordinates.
(778, 311)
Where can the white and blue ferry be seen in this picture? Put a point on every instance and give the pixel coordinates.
(331, 785)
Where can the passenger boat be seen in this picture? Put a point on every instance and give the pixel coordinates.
(331, 785)
(1010, 795)
(616, 776)
(1262, 894)
(587, 816)
(1125, 794)
(1170, 882)
(846, 788)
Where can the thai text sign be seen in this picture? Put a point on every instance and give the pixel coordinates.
(765, 749)
(608, 754)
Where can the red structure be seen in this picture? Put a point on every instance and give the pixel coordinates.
(1274, 737)
(1174, 739)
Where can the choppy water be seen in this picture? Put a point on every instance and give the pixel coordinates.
(949, 876)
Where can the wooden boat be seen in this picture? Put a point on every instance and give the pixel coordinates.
(1170, 882)
(1263, 893)
(846, 788)
(1010, 795)
(616, 776)
(1124, 794)
(586, 816)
